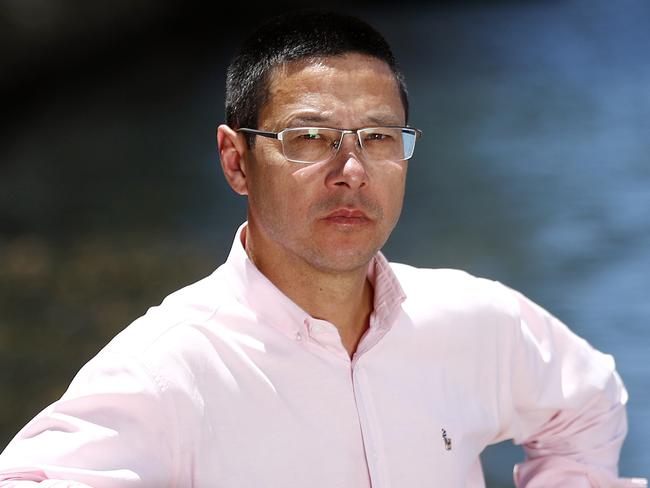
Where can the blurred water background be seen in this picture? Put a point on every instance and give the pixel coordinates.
(534, 170)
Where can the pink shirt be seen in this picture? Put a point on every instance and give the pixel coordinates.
(228, 383)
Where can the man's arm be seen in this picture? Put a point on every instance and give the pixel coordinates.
(113, 427)
(567, 406)
(24, 482)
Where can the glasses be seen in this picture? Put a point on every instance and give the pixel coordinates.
(320, 144)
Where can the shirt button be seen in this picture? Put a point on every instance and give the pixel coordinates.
(298, 336)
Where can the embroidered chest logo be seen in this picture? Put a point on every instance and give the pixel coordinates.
(446, 440)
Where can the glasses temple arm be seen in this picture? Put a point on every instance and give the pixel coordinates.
(272, 135)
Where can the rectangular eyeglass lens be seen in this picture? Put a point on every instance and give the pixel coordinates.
(309, 144)
(387, 143)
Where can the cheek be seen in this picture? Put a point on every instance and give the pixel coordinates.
(278, 194)
(393, 184)
(268, 197)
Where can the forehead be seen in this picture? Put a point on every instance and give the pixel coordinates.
(348, 89)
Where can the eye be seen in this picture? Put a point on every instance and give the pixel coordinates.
(310, 136)
(377, 136)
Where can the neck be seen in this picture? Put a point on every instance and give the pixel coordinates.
(343, 298)
(345, 301)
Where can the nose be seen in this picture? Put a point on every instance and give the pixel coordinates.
(348, 169)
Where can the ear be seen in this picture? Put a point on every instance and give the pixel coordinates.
(232, 152)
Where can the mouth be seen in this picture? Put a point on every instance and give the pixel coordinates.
(347, 216)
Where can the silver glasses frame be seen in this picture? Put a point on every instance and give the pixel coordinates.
(279, 135)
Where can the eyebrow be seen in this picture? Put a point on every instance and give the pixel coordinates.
(307, 120)
(320, 119)
(384, 120)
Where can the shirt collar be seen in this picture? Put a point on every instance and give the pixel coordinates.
(272, 306)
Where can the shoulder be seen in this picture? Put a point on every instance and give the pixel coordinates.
(454, 288)
(168, 344)
(172, 321)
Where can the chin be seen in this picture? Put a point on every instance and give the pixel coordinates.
(340, 260)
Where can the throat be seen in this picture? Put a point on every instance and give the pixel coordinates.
(348, 310)
(343, 298)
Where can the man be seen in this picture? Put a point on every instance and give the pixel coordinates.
(307, 359)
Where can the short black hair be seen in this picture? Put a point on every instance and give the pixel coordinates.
(292, 36)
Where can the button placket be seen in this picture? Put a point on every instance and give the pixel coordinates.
(369, 429)
(299, 333)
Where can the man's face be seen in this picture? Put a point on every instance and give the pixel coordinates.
(334, 215)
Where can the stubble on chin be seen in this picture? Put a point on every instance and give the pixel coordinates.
(344, 250)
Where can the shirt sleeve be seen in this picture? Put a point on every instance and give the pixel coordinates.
(113, 427)
(567, 406)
